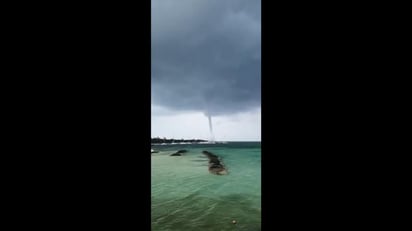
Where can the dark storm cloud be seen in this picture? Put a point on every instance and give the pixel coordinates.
(206, 55)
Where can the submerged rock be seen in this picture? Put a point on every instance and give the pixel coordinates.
(215, 166)
(179, 153)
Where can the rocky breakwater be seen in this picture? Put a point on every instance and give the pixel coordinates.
(215, 165)
(178, 153)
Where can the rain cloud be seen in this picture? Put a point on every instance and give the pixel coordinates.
(206, 55)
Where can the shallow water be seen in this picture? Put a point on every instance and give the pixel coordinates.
(185, 196)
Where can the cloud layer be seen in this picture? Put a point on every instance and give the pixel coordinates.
(243, 126)
(206, 55)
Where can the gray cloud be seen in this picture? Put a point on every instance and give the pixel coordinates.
(206, 55)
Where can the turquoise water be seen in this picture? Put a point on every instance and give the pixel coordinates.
(185, 196)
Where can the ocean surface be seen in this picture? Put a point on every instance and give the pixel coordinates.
(185, 196)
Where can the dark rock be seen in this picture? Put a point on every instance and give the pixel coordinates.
(176, 154)
(179, 153)
(215, 167)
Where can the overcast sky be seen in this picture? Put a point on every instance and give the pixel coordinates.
(206, 60)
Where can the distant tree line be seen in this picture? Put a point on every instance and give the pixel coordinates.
(158, 140)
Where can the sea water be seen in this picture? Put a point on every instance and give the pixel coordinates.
(185, 196)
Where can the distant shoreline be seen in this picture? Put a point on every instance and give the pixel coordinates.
(165, 141)
(170, 141)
